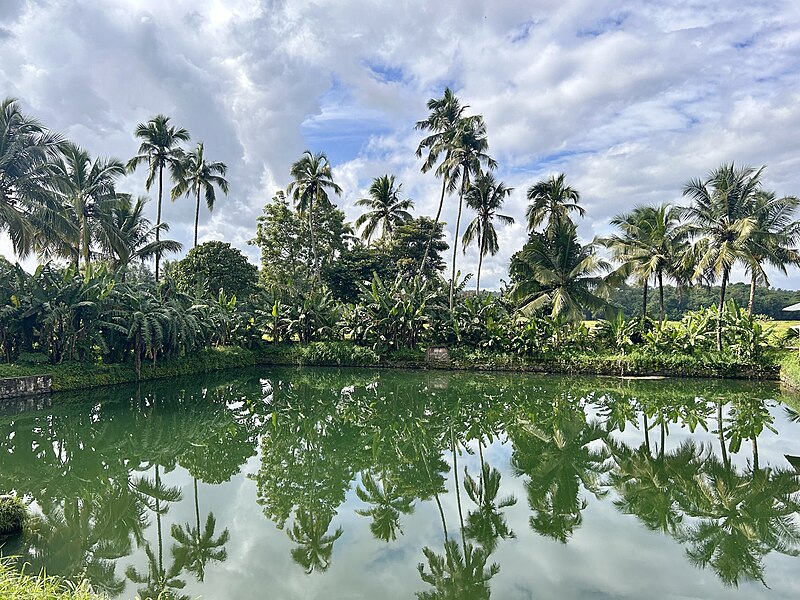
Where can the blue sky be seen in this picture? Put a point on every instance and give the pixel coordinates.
(629, 99)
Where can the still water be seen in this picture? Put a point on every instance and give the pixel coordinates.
(316, 483)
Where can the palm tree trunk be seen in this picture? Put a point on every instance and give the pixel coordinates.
(458, 490)
(196, 217)
(646, 431)
(721, 434)
(158, 523)
(313, 240)
(644, 299)
(721, 307)
(85, 243)
(752, 294)
(158, 216)
(480, 263)
(663, 436)
(433, 231)
(755, 454)
(660, 298)
(455, 242)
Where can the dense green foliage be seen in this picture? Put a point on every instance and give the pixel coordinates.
(214, 268)
(13, 514)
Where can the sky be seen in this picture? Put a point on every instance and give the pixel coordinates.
(629, 99)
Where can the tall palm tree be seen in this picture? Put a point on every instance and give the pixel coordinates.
(556, 271)
(465, 160)
(313, 178)
(388, 210)
(86, 188)
(722, 217)
(486, 197)
(126, 236)
(195, 176)
(27, 150)
(314, 545)
(443, 120)
(159, 149)
(387, 502)
(652, 243)
(773, 240)
(552, 200)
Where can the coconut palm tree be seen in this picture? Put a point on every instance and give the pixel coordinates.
(86, 190)
(552, 200)
(126, 236)
(197, 547)
(195, 176)
(312, 179)
(388, 210)
(651, 244)
(722, 218)
(465, 159)
(443, 120)
(487, 523)
(556, 271)
(773, 240)
(159, 149)
(388, 502)
(314, 545)
(486, 197)
(27, 150)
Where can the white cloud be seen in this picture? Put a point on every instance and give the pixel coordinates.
(630, 99)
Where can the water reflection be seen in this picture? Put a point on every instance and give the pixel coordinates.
(104, 472)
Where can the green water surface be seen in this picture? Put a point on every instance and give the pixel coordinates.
(317, 483)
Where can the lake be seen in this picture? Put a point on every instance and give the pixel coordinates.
(320, 483)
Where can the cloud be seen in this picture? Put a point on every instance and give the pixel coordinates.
(630, 99)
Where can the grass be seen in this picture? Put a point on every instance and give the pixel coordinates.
(20, 586)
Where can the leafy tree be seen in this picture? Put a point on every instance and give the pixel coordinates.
(312, 179)
(555, 271)
(722, 217)
(485, 197)
(465, 160)
(353, 268)
(416, 247)
(159, 149)
(196, 175)
(215, 266)
(27, 150)
(284, 237)
(552, 200)
(388, 210)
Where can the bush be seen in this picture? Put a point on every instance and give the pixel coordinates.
(13, 514)
(335, 354)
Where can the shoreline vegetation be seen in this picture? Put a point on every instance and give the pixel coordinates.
(778, 365)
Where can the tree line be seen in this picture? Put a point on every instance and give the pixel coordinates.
(321, 276)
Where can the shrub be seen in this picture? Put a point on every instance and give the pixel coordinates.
(14, 584)
(336, 354)
(13, 514)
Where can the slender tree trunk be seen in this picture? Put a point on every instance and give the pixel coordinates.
(464, 183)
(755, 454)
(752, 294)
(721, 308)
(313, 240)
(158, 523)
(196, 217)
(663, 436)
(644, 299)
(661, 315)
(458, 490)
(196, 507)
(646, 431)
(480, 263)
(158, 217)
(85, 243)
(721, 434)
(433, 231)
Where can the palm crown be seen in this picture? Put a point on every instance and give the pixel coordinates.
(388, 210)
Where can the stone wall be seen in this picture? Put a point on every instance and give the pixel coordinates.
(15, 387)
